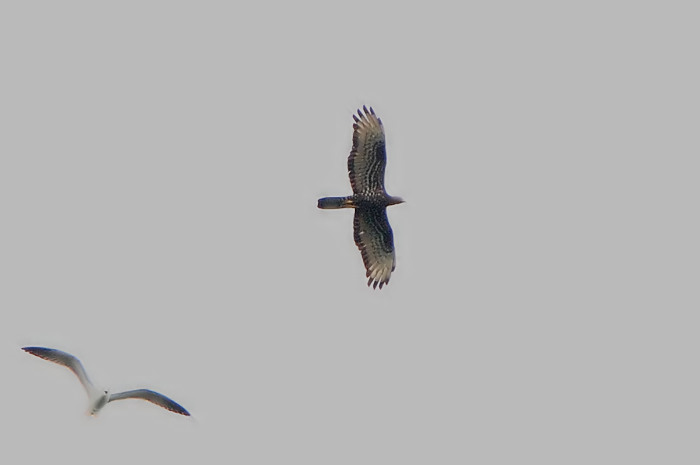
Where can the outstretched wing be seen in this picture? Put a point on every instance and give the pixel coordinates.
(65, 359)
(367, 159)
(151, 396)
(375, 240)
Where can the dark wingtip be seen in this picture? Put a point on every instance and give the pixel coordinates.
(35, 350)
(177, 408)
(41, 352)
(373, 284)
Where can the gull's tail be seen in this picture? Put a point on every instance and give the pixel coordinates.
(329, 203)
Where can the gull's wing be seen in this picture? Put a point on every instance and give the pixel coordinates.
(367, 160)
(151, 396)
(65, 359)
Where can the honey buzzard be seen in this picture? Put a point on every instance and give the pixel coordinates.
(366, 165)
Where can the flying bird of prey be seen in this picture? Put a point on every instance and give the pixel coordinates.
(366, 165)
(99, 398)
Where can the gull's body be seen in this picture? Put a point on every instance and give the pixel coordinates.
(98, 398)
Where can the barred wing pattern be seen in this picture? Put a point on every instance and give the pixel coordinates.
(375, 239)
(367, 160)
(366, 166)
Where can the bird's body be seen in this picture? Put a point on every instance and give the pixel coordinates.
(97, 398)
(98, 401)
(366, 166)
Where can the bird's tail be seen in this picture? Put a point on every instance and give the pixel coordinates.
(336, 202)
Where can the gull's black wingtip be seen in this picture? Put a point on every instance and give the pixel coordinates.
(177, 408)
(43, 352)
(35, 350)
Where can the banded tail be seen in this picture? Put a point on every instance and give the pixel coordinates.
(328, 203)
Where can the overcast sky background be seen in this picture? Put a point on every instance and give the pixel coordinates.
(160, 167)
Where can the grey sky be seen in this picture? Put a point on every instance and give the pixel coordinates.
(160, 167)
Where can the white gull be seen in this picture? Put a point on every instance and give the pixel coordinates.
(99, 398)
